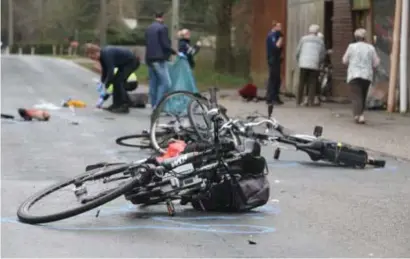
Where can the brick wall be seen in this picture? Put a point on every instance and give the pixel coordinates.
(342, 36)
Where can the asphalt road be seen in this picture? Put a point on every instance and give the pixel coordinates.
(315, 210)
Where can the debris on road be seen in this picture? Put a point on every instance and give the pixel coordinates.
(29, 114)
(251, 242)
(7, 116)
(46, 106)
(74, 103)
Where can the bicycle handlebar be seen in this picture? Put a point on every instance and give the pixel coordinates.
(242, 129)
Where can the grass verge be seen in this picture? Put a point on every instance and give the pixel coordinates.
(204, 75)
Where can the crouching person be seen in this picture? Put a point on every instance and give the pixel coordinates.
(110, 58)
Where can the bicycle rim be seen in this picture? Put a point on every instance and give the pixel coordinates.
(206, 131)
(26, 215)
(141, 141)
(182, 125)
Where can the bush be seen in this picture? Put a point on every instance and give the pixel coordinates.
(40, 48)
(126, 37)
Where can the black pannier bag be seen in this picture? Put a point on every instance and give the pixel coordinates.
(247, 188)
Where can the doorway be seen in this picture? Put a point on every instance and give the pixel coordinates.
(363, 19)
(328, 24)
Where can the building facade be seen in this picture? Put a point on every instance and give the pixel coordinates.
(338, 19)
(263, 13)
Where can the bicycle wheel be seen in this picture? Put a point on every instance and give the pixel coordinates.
(204, 127)
(143, 141)
(25, 211)
(175, 106)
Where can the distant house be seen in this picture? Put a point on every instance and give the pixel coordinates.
(337, 19)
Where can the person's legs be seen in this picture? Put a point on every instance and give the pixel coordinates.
(318, 90)
(356, 97)
(153, 85)
(116, 98)
(276, 82)
(126, 72)
(301, 88)
(120, 96)
(270, 91)
(270, 86)
(364, 88)
(312, 83)
(162, 71)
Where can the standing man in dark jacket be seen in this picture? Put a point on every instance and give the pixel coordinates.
(126, 63)
(158, 51)
(274, 43)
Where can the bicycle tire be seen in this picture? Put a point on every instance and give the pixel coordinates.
(192, 121)
(25, 217)
(156, 114)
(225, 117)
(121, 140)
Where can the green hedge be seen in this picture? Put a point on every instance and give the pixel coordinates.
(40, 48)
(123, 38)
(126, 37)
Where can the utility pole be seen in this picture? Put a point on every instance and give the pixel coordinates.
(120, 9)
(175, 23)
(103, 22)
(403, 57)
(11, 24)
(40, 23)
(391, 101)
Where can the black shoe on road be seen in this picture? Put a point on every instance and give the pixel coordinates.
(122, 109)
(109, 108)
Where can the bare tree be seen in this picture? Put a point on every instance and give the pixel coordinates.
(223, 54)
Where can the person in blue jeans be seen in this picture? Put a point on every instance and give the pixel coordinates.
(157, 54)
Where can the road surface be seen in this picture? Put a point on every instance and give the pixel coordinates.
(314, 211)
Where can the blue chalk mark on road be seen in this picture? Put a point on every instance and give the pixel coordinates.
(179, 223)
(293, 164)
